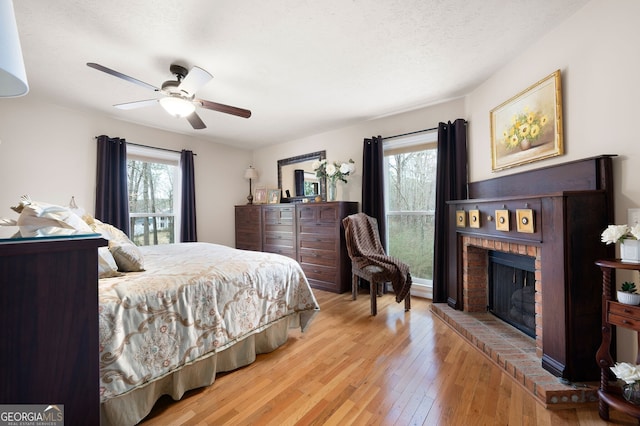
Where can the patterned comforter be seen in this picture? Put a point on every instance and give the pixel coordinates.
(193, 300)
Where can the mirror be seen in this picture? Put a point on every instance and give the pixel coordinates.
(296, 175)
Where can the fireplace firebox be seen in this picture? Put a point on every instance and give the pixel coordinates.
(511, 279)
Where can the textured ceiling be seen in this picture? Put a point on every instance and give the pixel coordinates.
(301, 66)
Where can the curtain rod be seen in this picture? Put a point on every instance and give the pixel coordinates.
(410, 133)
(152, 147)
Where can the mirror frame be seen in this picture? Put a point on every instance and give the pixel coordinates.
(318, 155)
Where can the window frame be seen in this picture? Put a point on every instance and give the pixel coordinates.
(411, 143)
(160, 156)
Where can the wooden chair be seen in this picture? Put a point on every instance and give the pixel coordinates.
(374, 274)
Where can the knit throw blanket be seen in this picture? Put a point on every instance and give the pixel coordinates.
(365, 249)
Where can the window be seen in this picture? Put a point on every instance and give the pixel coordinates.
(153, 179)
(410, 192)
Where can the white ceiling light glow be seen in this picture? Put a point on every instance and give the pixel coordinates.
(177, 106)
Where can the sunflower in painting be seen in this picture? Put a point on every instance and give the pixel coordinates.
(524, 129)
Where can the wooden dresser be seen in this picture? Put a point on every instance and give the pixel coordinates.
(249, 227)
(279, 230)
(311, 233)
(49, 323)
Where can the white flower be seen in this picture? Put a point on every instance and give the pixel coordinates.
(316, 164)
(352, 168)
(635, 231)
(627, 372)
(331, 170)
(615, 233)
(344, 168)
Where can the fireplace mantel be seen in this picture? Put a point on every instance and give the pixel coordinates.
(571, 204)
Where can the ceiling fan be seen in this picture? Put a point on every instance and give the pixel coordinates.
(179, 95)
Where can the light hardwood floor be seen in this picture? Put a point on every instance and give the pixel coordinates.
(350, 368)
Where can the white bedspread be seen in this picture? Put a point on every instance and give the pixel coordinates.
(193, 300)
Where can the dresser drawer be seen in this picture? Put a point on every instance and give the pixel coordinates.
(278, 239)
(622, 309)
(624, 321)
(320, 272)
(278, 215)
(319, 242)
(283, 250)
(325, 213)
(318, 257)
(306, 227)
(623, 315)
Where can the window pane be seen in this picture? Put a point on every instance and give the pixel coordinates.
(411, 196)
(150, 187)
(151, 195)
(152, 230)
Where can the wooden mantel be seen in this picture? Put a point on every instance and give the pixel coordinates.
(571, 204)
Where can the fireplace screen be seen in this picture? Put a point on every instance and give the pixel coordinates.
(512, 290)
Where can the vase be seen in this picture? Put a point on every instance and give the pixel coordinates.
(331, 190)
(525, 144)
(630, 251)
(631, 392)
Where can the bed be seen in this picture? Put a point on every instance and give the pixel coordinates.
(172, 316)
(197, 309)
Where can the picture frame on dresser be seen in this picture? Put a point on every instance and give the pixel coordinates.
(273, 196)
(528, 126)
(260, 196)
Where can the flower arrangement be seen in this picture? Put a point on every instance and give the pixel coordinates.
(334, 171)
(525, 128)
(616, 233)
(629, 373)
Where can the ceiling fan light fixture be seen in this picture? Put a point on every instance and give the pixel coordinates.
(177, 106)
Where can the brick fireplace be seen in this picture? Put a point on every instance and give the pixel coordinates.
(568, 205)
(475, 275)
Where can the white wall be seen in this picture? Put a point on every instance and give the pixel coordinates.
(49, 153)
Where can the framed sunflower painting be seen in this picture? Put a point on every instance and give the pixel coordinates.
(528, 127)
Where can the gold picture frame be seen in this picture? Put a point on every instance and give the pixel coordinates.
(273, 196)
(528, 127)
(260, 196)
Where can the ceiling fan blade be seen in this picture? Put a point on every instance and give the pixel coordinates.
(227, 109)
(195, 79)
(195, 121)
(120, 75)
(136, 104)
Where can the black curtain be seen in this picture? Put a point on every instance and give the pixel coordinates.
(112, 197)
(451, 184)
(188, 205)
(373, 184)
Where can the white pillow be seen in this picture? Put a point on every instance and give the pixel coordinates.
(107, 266)
(127, 255)
(39, 219)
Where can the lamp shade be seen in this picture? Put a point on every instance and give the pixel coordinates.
(177, 106)
(250, 173)
(13, 78)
